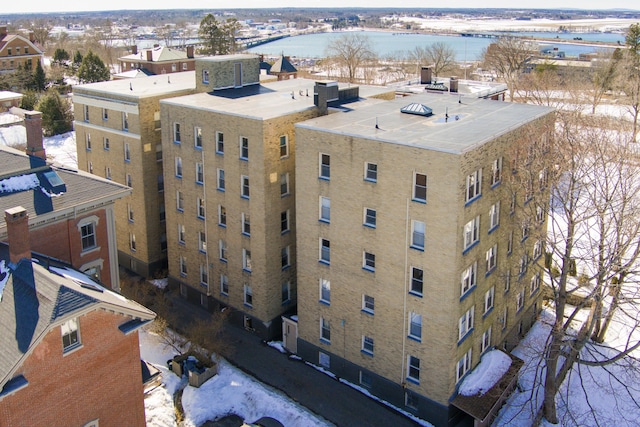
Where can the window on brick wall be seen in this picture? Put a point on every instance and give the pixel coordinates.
(70, 335)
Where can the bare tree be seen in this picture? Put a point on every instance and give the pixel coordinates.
(41, 30)
(440, 55)
(603, 77)
(628, 81)
(594, 233)
(508, 58)
(352, 53)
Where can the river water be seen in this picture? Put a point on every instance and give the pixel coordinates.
(387, 43)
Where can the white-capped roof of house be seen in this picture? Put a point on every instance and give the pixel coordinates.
(158, 54)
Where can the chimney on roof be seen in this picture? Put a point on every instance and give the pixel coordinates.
(17, 221)
(453, 84)
(33, 125)
(425, 75)
(325, 92)
(189, 51)
(32, 37)
(134, 49)
(149, 55)
(3, 31)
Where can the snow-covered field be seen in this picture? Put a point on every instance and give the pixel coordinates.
(60, 148)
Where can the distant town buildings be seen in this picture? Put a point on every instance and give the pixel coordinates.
(158, 60)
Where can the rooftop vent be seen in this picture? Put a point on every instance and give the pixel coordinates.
(417, 109)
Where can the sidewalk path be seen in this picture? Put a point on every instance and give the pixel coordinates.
(337, 402)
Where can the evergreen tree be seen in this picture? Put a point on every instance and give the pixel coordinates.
(39, 79)
(56, 113)
(93, 69)
(29, 100)
(77, 61)
(218, 38)
(61, 56)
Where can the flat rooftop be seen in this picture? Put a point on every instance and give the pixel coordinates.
(141, 87)
(470, 123)
(264, 101)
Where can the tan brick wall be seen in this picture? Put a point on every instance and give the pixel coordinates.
(101, 380)
(222, 73)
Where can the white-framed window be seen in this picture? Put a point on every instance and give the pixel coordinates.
(105, 143)
(469, 277)
(510, 242)
(177, 137)
(324, 360)
(90, 166)
(535, 283)
(369, 261)
(543, 179)
(325, 291)
(162, 214)
(244, 148)
(369, 217)
(537, 249)
(244, 186)
(492, 258)
(488, 299)
(205, 76)
(496, 171)
(105, 114)
(286, 293)
(463, 366)
(540, 213)
(197, 137)
(125, 121)
(420, 187)
(284, 184)
(222, 250)
(325, 251)
(199, 173)
(284, 221)
(485, 342)
(325, 330)
(413, 369)
(367, 345)
(178, 163)
(222, 216)
(370, 172)
(417, 281)
(204, 274)
(181, 233)
(246, 260)
(474, 188)
(70, 335)
(415, 326)
(325, 209)
(418, 229)
(284, 146)
(368, 304)
(88, 235)
(524, 264)
(87, 139)
(248, 295)
(471, 232)
(224, 284)
(494, 216)
(127, 152)
(246, 224)
(465, 324)
(221, 183)
(107, 172)
(325, 166)
(202, 241)
(513, 202)
(520, 300)
(219, 142)
(130, 212)
(183, 266)
(174, 68)
(504, 319)
(200, 207)
(507, 280)
(284, 257)
(179, 201)
(86, 107)
(128, 180)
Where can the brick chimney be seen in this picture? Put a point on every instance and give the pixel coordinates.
(189, 51)
(149, 55)
(134, 49)
(32, 37)
(33, 125)
(17, 221)
(453, 84)
(3, 31)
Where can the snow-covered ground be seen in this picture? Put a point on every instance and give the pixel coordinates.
(61, 148)
(229, 392)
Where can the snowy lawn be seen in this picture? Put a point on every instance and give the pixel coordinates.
(61, 148)
(229, 392)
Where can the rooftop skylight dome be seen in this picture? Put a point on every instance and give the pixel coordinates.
(417, 109)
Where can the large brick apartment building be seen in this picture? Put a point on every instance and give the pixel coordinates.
(417, 250)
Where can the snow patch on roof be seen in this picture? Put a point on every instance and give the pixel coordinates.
(19, 183)
(4, 277)
(493, 365)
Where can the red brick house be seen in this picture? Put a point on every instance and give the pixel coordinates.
(158, 60)
(71, 213)
(69, 349)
